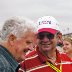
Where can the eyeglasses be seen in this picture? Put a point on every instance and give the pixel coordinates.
(45, 34)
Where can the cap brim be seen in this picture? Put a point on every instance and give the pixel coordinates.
(53, 31)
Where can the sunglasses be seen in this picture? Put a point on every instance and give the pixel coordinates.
(42, 35)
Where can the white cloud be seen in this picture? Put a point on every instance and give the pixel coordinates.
(60, 9)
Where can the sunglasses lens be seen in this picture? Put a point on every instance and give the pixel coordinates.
(42, 35)
(50, 36)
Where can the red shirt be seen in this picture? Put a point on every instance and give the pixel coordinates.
(36, 62)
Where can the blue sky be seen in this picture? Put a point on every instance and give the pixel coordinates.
(33, 9)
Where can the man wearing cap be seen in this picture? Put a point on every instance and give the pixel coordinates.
(46, 58)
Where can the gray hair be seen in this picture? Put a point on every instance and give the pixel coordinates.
(17, 26)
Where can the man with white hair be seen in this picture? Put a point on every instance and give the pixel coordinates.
(17, 38)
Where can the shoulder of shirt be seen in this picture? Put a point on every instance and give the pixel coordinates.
(3, 61)
(31, 55)
(65, 57)
(30, 58)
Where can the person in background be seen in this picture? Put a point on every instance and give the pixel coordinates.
(60, 42)
(46, 58)
(17, 38)
(67, 46)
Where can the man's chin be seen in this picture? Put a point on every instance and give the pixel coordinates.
(46, 49)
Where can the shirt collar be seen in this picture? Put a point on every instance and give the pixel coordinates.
(43, 58)
(8, 57)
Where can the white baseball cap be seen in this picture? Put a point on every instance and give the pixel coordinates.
(47, 24)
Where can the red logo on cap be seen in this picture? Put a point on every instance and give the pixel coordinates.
(45, 22)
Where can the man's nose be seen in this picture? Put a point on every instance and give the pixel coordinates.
(45, 39)
(30, 46)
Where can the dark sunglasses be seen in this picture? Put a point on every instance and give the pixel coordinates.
(42, 35)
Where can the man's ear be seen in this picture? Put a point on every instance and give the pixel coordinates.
(11, 39)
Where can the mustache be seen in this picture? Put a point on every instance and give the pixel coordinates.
(44, 43)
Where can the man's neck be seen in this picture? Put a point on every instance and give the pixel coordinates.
(51, 55)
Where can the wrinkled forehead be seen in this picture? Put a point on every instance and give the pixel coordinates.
(28, 34)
